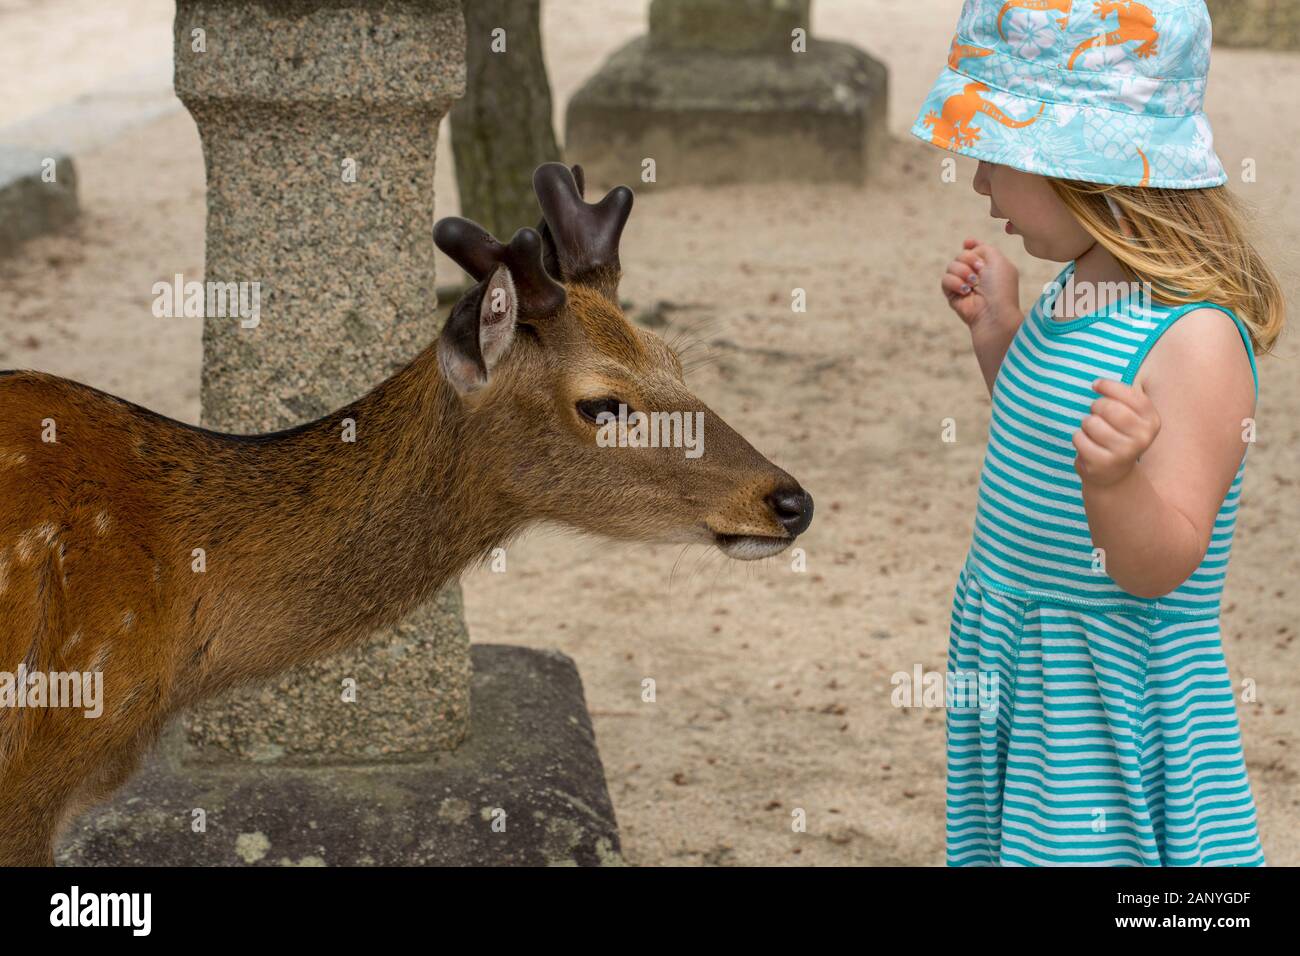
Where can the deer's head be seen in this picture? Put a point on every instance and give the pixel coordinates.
(542, 357)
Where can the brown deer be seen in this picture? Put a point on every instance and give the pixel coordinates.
(311, 543)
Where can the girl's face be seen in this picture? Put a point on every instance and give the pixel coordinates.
(1033, 211)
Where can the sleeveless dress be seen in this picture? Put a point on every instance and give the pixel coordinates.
(1085, 726)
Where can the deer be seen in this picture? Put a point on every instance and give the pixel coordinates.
(312, 543)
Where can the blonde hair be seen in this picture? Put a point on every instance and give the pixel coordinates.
(1189, 244)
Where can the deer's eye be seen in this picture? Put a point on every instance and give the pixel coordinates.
(592, 408)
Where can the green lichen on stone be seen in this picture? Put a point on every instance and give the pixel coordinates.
(726, 26)
(1266, 24)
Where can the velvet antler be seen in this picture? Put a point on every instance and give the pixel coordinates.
(581, 238)
(479, 253)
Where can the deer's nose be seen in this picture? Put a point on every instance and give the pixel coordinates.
(793, 508)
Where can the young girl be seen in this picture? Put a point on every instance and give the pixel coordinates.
(1123, 404)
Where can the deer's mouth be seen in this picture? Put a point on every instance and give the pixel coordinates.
(750, 547)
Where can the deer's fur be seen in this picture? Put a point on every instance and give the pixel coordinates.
(312, 543)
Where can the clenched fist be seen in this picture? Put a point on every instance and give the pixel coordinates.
(983, 286)
(1122, 426)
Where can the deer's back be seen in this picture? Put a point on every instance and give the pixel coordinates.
(87, 562)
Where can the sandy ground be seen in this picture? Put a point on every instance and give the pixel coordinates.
(57, 50)
(773, 687)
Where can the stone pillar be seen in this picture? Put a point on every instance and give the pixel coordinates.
(1269, 24)
(726, 91)
(319, 124)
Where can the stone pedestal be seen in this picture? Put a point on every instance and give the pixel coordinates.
(719, 91)
(319, 125)
(1270, 24)
(526, 788)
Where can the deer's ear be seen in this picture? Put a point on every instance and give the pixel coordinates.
(478, 332)
(497, 316)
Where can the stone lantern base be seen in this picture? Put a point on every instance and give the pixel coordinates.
(715, 99)
(525, 788)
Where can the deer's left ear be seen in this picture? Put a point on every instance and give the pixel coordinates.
(478, 332)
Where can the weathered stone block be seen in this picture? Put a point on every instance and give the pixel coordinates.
(704, 118)
(529, 766)
(726, 26)
(32, 204)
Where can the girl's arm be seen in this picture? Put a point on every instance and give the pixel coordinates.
(990, 340)
(1153, 482)
(983, 288)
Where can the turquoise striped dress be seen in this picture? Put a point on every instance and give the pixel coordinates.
(1085, 725)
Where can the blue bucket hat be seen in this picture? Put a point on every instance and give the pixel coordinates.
(1101, 91)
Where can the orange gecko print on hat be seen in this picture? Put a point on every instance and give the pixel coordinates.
(962, 51)
(953, 127)
(1136, 22)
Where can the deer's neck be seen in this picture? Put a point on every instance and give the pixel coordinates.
(347, 536)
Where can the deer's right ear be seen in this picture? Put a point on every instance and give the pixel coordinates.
(478, 332)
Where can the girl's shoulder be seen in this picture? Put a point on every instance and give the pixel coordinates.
(1200, 346)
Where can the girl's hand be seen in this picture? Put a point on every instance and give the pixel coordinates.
(983, 287)
(1122, 426)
